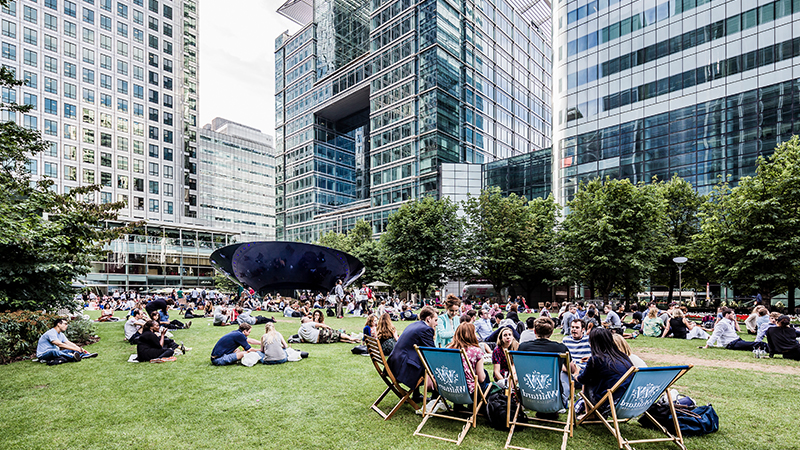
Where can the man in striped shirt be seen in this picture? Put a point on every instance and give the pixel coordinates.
(578, 344)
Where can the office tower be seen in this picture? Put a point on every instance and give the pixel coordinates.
(373, 97)
(236, 180)
(654, 88)
(114, 91)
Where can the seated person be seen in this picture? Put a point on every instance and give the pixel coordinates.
(163, 319)
(404, 360)
(529, 334)
(636, 319)
(578, 344)
(762, 329)
(222, 316)
(466, 339)
(291, 311)
(623, 346)
(151, 344)
(227, 352)
(783, 339)
(133, 327)
(192, 313)
(604, 368)
(612, 318)
(107, 315)
(243, 316)
(386, 334)
(751, 323)
(652, 325)
(54, 346)
(483, 325)
(273, 346)
(591, 319)
(544, 327)
(319, 333)
(370, 326)
(505, 340)
(159, 304)
(724, 334)
(682, 328)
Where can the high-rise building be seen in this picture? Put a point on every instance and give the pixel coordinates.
(375, 96)
(236, 180)
(697, 88)
(114, 91)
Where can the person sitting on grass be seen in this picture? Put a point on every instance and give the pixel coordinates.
(273, 346)
(227, 352)
(320, 333)
(505, 340)
(683, 328)
(54, 347)
(151, 344)
(370, 326)
(652, 326)
(604, 368)
(243, 316)
(318, 316)
(407, 314)
(623, 346)
(612, 319)
(222, 316)
(387, 334)
(134, 326)
(724, 334)
(783, 339)
(752, 321)
(772, 322)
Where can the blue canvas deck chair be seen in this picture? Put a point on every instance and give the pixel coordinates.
(646, 387)
(445, 367)
(392, 385)
(535, 380)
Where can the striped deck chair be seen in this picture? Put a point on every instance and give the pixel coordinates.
(646, 387)
(445, 367)
(535, 380)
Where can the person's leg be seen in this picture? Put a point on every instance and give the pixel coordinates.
(53, 354)
(697, 333)
(167, 353)
(741, 344)
(564, 377)
(228, 359)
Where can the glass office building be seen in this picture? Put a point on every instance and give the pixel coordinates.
(375, 96)
(696, 88)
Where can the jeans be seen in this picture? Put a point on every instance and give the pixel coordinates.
(54, 354)
(278, 361)
(225, 360)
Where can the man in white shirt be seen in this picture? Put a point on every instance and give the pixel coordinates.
(725, 334)
(133, 327)
(483, 326)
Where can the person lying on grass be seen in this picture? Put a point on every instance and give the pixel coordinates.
(319, 333)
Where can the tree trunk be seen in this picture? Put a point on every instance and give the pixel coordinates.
(671, 285)
(790, 299)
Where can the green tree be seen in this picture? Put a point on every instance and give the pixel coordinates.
(751, 232)
(610, 236)
(359, 243)
(46, 239)
(422, 244)
(681, 206)
(224, 284)
(510, 239)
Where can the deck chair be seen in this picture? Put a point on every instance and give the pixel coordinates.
(646, 387)
(379, 361)
(445, 368)
(535, 380)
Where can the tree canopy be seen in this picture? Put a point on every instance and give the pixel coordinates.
(359, 243)
(47, 239)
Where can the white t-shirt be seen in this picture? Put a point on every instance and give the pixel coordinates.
(131, 327)
(308, 332)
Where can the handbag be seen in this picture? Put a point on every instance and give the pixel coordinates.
(360, 350)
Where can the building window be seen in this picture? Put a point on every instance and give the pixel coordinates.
(50, 170)
(153, 205)
(153, 185)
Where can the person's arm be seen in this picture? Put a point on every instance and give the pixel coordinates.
(480, 374)
(163, 335)
(666, 331)
(735, 324)
(716, 334)
(67, 345)
(689, 324)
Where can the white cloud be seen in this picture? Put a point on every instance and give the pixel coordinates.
(237, 60)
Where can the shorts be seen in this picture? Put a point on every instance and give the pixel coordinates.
(329, 336)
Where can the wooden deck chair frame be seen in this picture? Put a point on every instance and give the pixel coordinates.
(478, 399)
(513, 388)
(392, 385)
(613, 422)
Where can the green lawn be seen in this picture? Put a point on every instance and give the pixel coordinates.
(323, 401)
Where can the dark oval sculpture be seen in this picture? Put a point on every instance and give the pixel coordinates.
(281, 266)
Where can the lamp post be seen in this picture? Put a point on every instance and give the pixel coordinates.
(680, 261)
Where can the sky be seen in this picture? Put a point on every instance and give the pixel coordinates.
(237, 60)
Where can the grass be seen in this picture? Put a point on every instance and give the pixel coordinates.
(323, 401)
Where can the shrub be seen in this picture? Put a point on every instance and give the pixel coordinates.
(20, 332)
(81, 330)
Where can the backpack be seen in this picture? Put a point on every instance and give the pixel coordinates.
(694, 421)
(330, 312)
(496, 403)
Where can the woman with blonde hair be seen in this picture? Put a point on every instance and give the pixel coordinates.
(623, 346)
(273, 346)
(682, 328)
(386, 334)
(465, 338)
(652, 325)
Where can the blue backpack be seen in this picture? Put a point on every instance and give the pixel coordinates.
(694, 421)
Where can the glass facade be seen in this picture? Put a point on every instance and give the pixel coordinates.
(528, 175)
(440, 82)
(695, 88)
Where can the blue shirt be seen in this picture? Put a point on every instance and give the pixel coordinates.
(46, 341)
(229, 343)
(484, 329)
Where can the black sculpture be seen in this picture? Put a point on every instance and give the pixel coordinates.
(286, 266)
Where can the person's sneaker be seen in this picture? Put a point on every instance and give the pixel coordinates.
(88, 355)
(169, 359)
(77, 356)
(188, 325)
(156, 360)
(431, 409)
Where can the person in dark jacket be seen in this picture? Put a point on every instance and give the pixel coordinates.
(783, 339)
(404, 360)
(151, 345)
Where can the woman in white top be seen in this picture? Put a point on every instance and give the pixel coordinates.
(273, 346)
